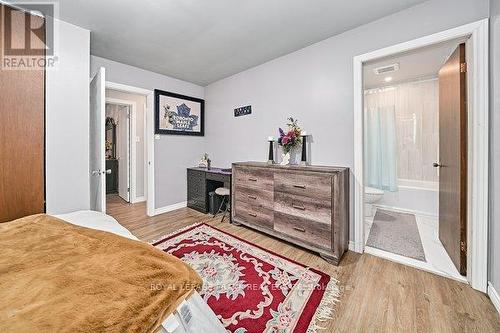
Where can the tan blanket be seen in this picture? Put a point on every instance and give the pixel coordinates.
(58, 277)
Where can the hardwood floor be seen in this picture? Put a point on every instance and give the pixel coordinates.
(377, 295)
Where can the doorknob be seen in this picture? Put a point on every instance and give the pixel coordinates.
(437, 165)
(99, 172)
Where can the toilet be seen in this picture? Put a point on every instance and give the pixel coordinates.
(372, 195)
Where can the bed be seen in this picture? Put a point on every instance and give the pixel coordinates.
(189, 314)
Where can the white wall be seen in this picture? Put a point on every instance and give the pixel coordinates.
(495, 145)
(173, 154)
(315, 85)
(67, 119)
(141, 157)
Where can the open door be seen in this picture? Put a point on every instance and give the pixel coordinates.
(97, 142)
(453, 158)
(123, 147)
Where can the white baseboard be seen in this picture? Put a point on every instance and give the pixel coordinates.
(139, 199)
(495, 299)
(170, 208)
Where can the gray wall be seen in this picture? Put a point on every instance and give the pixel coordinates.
(173, 154)
(495, 145)
(67, 119)
(141, 157)
(315, 85)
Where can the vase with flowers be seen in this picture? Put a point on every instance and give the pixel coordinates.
(290, 142)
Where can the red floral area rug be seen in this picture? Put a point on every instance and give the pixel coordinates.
(250, 289)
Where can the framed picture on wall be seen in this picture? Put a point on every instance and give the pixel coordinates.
(178, 114)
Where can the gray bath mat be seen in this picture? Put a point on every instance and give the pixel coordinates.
(396, 233)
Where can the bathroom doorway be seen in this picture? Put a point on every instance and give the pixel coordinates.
(476, 37)
(411, 123)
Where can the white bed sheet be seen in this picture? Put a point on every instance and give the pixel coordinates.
(203, 319)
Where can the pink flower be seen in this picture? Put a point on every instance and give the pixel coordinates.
(284, 320)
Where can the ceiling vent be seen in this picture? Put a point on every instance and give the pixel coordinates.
(386, 69)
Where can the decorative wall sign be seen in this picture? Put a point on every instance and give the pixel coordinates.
(178, 114)
(243, 111)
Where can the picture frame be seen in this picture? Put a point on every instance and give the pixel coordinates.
(177, 114)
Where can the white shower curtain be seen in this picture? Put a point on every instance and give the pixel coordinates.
(380, 140)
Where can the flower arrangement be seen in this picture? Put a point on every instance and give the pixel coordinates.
(291, 138)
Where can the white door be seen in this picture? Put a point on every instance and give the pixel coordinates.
(123, 148)
(97, 161)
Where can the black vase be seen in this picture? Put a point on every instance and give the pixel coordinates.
(270, 159)
(303, 160)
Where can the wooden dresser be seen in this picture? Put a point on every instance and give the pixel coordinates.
(305, 205)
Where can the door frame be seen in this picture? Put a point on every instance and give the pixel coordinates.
(132, 149)
(478, 141)
(148, 136)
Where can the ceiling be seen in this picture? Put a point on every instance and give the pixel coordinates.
(418, 64)
(202, 41)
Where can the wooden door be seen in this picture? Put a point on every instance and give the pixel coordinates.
(97, 138)
(22, 123)
(453, 158)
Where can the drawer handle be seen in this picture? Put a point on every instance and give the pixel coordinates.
(299, 229)
(252, 179)
(252, 197)
(298, 207)
(252, 214)
(300, 186)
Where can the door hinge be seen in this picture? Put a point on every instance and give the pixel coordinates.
(128, 189)
(463, 67)
(463, 247)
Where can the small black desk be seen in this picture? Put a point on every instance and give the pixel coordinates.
(201, 181)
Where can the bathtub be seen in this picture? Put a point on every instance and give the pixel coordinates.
(413, 196)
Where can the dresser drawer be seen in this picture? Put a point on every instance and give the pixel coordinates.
(304, 205)
(317, 209)
(308, 231)
(253, 177)
(254, 196)
(312, 185)
(253, 214)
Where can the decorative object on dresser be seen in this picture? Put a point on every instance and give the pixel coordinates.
(178, 114)
(270, 159)
(290, 142)
(303, 160)
(305, 205)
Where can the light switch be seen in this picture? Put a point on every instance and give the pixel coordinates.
(137, 139)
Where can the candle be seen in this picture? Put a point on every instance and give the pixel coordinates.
(270, 138)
